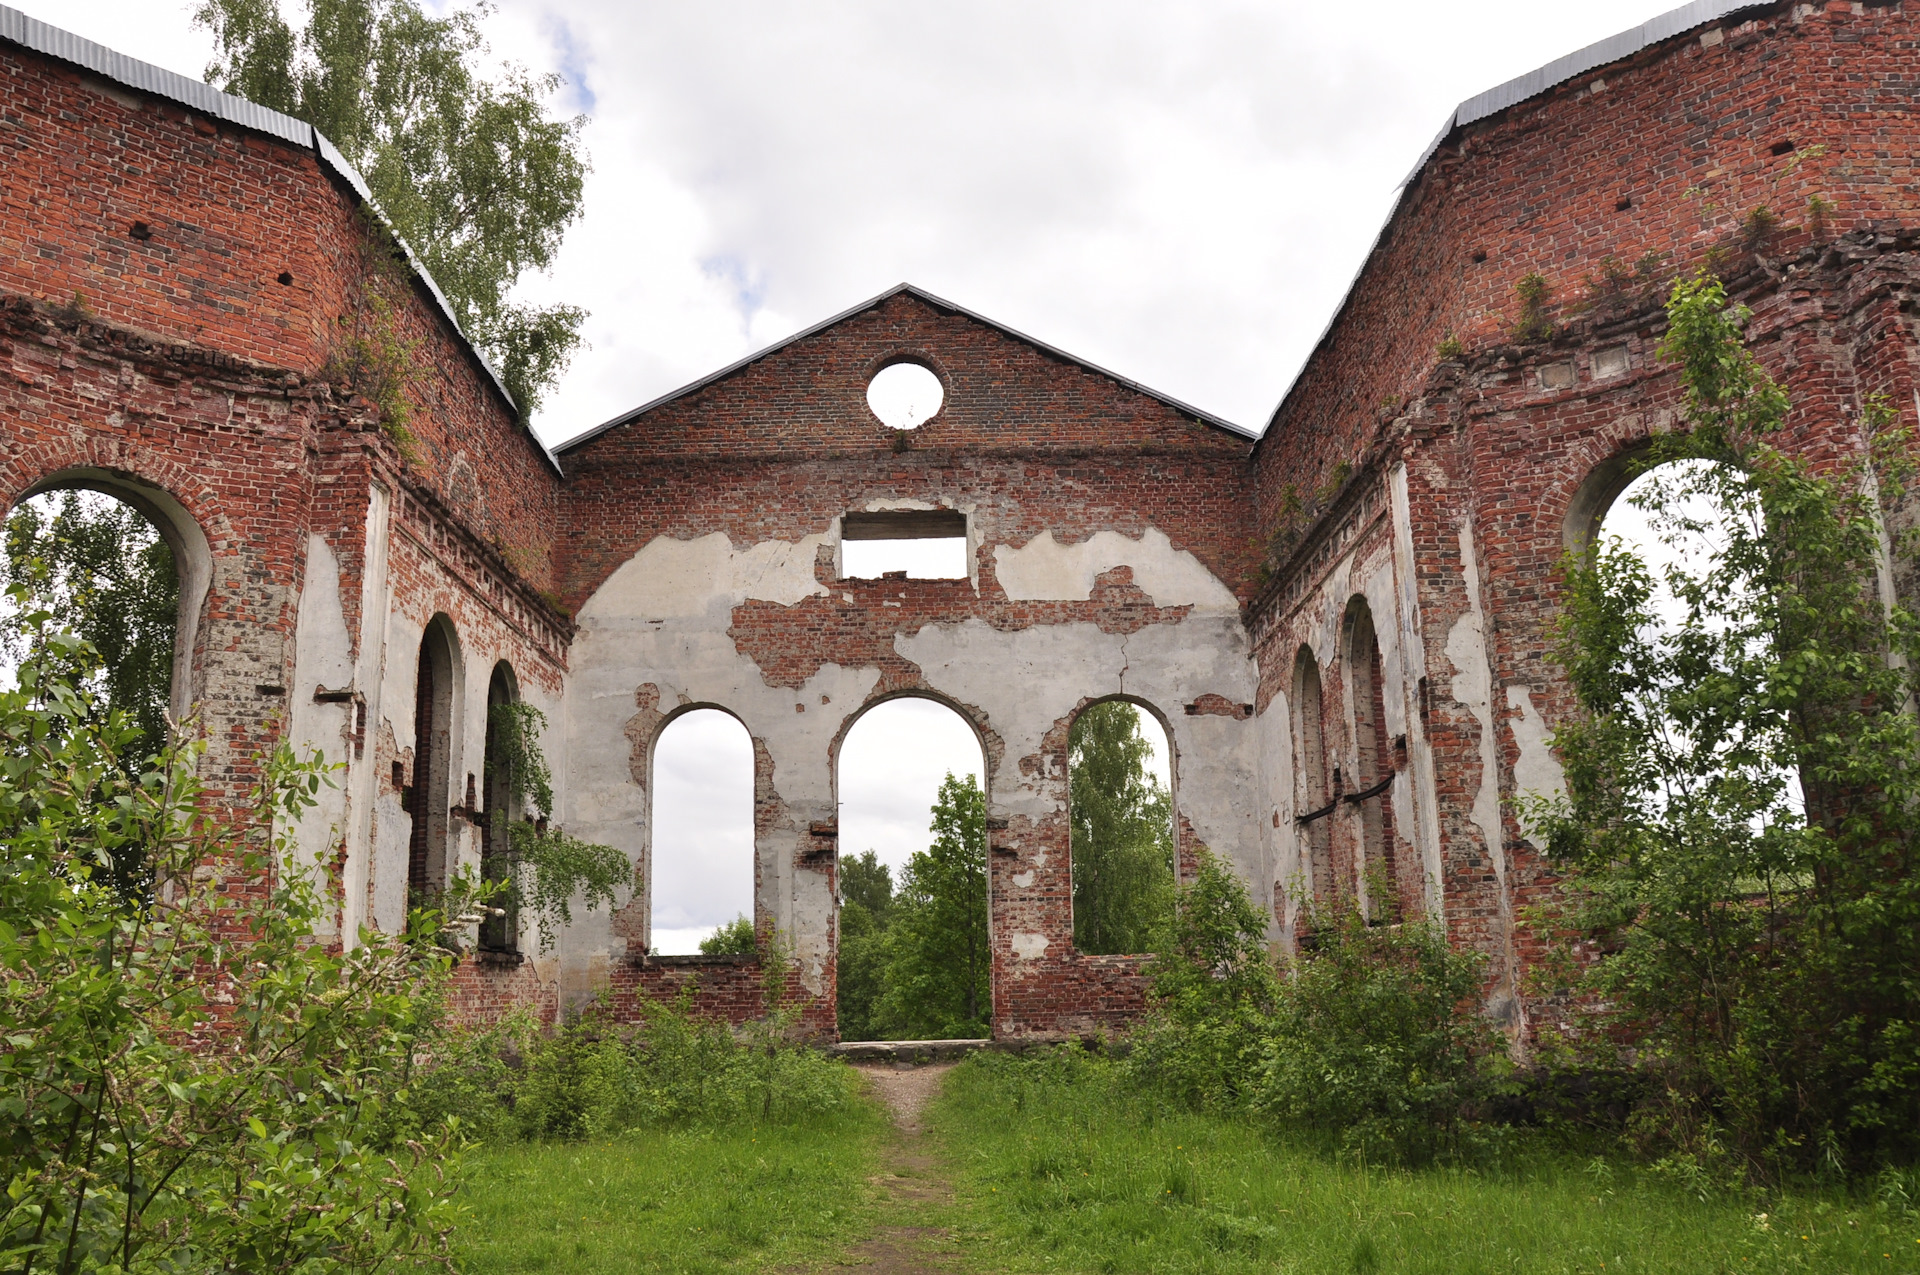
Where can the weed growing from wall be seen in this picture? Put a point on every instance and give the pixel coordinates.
(1532, 324)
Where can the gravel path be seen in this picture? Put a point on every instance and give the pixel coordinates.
(911, 1180)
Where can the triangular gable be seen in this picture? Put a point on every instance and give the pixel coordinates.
(1204, 417)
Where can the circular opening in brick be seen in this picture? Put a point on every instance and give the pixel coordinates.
(905, 395)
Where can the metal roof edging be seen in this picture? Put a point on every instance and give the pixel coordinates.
(42, 37)
(710, 378)
(1512, 93)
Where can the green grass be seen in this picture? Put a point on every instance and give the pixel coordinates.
(699, 1200)
(1089, 1176)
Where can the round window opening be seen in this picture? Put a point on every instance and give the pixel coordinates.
(905, 395)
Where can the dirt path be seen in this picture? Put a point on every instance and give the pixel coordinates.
(911, 1181)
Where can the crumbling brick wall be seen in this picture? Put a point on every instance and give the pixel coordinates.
(1493, 449)
(180, 302)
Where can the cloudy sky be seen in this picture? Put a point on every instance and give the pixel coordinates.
(1179, 192)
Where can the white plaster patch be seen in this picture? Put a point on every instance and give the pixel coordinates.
(1467, 648)
(1029, 947)
(1537, 772)
(1023, 880)
(677, 579)
(323, 658)
(1044, 570)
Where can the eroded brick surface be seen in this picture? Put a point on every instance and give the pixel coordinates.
(1419, 483)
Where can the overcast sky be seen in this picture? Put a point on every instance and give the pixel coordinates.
(1179, 192)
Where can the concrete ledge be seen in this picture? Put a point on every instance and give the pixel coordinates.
(910, 1052)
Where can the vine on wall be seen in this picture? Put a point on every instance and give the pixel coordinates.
(546, 868)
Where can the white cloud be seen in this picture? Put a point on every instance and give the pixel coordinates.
(1179, 192)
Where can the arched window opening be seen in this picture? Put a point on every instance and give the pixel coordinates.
(498, 933)
(430, 800)
(101, 567)
(1668, 516)
(914, 958)
(701, 886)
(1315, 800)
(1373, 758)
(1120, 808)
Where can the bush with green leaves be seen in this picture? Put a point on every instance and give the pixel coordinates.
(1743, 788)
(1213, 990)
(545, 868)
(735, 938)
(1376, 1036)
(596, 1076)
(190, 1081)
(1372, 1034)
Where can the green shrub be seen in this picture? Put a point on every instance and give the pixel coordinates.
(735, 938)
(1742, 813)
(594, 1076)
(193, 1084)
(1377, 1037)
(1212, 994)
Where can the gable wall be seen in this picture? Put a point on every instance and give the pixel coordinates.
(1109, 538)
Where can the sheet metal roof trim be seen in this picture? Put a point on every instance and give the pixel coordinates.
(1512, 93)
(42, 37)
(68, 47)
(1208, 418)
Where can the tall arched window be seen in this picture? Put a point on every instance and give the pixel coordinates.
(498, 933)
(1373, 759)
(431, 799)
(1120, 812)
(914, 957)
(702, 857)
(1313, 804)
(100, 556)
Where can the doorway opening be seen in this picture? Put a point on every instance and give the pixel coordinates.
(430, 799)
(914, 961)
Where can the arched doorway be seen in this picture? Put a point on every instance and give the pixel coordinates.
(1121, 827)
(913, 960)
(501, 932)
(701, 866)
(1314, 800)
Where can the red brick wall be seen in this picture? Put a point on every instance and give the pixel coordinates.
(1500, 439)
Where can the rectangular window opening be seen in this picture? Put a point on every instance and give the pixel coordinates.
(912, 544)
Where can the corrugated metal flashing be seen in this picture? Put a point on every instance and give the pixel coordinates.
(41, 37)
(1520, 89)
(1208, 418)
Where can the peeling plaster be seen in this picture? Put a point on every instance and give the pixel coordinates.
(1030, 947)
(323, 657)
(1473, 688)
(657, 634)
(1536, 772)
(674, 579)
(1416, 804)
(1044, 570)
